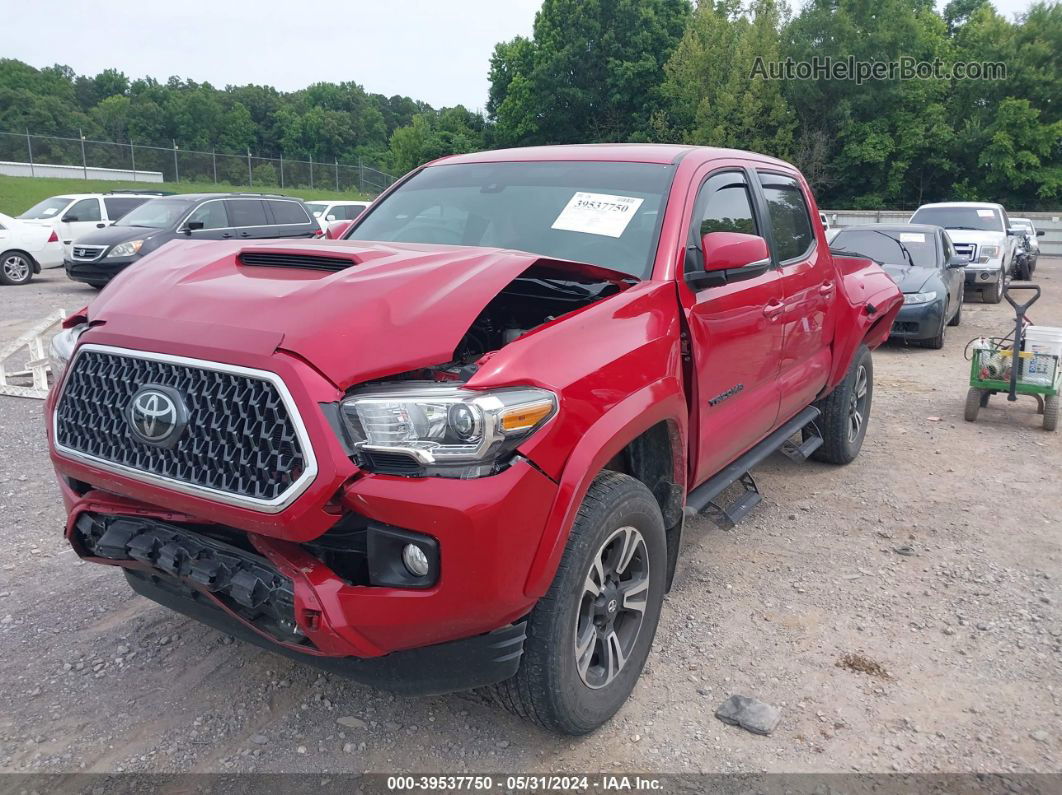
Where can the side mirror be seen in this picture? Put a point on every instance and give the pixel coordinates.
(69, 219)
(336, 229)
(958, 262)
(725, 251)
(192, 226)
(1039, 232)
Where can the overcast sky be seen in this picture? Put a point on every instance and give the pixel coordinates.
(432, 50)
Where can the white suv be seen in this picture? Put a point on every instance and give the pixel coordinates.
(74, 214)
(328, 210)
(981, 233)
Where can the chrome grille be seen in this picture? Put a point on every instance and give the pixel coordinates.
(88, 253)
(965, 250)
(244, 441)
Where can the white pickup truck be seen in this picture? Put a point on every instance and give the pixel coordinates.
(981, 233)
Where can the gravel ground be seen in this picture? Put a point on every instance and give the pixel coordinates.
(902, 612)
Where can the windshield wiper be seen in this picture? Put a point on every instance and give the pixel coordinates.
(903, 248)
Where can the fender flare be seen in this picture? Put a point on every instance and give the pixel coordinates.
(662, 400)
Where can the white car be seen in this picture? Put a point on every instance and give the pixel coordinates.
(983, 235)
(25, 249)
(326, 210)
(73, 214)
(1029, 228)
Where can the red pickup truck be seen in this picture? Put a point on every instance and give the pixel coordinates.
(456, 447)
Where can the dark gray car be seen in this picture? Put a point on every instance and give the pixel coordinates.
(923, 263)
(100, 255)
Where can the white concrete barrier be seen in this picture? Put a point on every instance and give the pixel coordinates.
(12, 168)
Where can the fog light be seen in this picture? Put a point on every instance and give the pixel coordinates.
(415, 559)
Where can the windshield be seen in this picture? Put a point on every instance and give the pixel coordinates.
(316, 208)
(884, 245)
(602, 213)
(1021, 223)
(48, 208)
(984, 219)
(156, 214)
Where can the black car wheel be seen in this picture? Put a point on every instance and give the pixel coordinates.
(956, 319)
(589, 636)
(936, 342)
(15, 268)
(845, 412)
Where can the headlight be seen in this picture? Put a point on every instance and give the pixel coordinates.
(988, 252)
(919, 298)
(62, 348)
(127, 249)
(445, 430)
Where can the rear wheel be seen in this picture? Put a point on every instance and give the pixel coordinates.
(845, 412)
(1022, 271)
(589, 636)
(974, 401)
(1050, 412)
(15, 268)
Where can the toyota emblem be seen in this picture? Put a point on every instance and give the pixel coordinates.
(157, 415)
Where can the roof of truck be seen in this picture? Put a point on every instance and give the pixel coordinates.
(623, 153)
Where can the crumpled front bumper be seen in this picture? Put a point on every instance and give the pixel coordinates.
(488, 531)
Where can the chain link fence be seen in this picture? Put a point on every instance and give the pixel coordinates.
(175, 164)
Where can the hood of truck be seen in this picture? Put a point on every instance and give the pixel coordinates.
(396, 308)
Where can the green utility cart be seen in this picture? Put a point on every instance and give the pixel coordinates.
(992, 368)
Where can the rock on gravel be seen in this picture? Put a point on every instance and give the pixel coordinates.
(749, 713)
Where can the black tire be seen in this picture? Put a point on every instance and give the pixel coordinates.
(1022, 271)
(956, 319)
(937, 342)
(1050, 412)
(994, 294)
(15, 268)
(839, 444)
(974, 401)
(549, 689)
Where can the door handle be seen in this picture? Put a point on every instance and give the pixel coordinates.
(825, 288)
(226, 235)
(773, 309)
(245, 234)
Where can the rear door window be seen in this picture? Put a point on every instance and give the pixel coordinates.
(288, 213)
(790, 219)
(346, 212)
(117, 206)
(246, 212)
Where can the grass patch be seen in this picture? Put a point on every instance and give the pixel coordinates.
(18, 194)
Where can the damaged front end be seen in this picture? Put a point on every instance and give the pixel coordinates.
(426, 422)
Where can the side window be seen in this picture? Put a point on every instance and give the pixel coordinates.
(288, 213)
(246, 212)
(723, 205)
(120, 205)
(790, 220)
(346, 212)
(85, 210)
(212, 214)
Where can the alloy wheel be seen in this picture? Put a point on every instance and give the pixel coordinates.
(16, 268)
(612, 607)
(857, 404)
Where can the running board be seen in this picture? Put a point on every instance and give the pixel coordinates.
(703, 497)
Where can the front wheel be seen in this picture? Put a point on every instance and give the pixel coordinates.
(1050, 412)
(956, 319)
(845, 412)
(994, 294)
(589, 636)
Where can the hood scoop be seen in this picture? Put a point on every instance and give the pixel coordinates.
(292, 259)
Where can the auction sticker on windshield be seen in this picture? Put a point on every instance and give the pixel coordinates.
(912, 237)
(597, 214)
